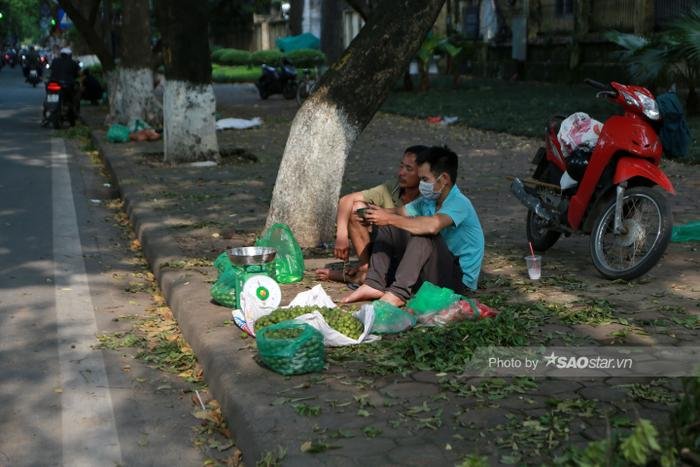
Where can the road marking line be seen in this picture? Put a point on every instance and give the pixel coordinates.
(87, 416)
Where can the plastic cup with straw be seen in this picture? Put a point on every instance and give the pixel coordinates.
(534, 264)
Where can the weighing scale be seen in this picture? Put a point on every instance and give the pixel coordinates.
(257, 292)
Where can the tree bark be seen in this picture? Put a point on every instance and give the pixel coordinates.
(188, 100)
(331, 37)
(89, 31)
(362, 7)
(327, 125)
(296, 13)
(132, 96)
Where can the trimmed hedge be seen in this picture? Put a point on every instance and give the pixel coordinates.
(271, 57)
(231, 57)
(301, 58)
(306, 58)
(234, 74)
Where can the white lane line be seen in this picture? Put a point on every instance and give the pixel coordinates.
(87, 417)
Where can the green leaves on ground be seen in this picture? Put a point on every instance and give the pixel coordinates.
(442, 349)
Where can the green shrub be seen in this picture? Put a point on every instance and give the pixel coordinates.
(216, 54)
(271, 57)
(234, 74)
(231, 57)
(306, 58)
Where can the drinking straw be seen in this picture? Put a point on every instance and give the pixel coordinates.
(532, 250)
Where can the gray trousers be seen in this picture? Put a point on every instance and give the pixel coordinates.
(401, 262)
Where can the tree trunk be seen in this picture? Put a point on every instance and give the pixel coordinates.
(86, 26)
(188, 100)
(296, 13)
(331, 37)
(133, 82)
(407, 80)
(327, 125)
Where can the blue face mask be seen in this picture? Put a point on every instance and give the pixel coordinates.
(426, 189)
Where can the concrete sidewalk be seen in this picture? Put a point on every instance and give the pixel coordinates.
(355, 417)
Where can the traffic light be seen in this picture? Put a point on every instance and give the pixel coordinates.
(53, 21)
(1, 16)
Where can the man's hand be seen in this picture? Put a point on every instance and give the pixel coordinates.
(379, 216)
(342, 248)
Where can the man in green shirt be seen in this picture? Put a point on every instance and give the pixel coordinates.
(351, 228)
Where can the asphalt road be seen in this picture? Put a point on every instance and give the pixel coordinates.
(62, 272)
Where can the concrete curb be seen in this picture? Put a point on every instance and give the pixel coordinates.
(244, 389)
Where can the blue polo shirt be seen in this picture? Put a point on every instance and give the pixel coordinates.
(464, 238)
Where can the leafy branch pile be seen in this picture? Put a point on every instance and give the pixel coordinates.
(441, 349)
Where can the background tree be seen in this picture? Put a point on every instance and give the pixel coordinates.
(331, 28)
(131, 90)
(130, 86)
(20, 20)
(296, 13)
(327, 125)
(188, 100)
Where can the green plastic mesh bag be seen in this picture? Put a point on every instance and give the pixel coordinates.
(290, 348)
(430, 298)
(118, 133)
(289, 261)
(389, 319)
(223, 291)
(222, 263)
(689, 232)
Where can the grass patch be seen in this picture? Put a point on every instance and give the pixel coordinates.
(519, 108)
(234, 74)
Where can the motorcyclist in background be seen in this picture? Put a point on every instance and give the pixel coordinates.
(31, 62)
(65, 71)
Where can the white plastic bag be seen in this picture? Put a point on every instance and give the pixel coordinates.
(333, 338)
(312, 297)
(317, 297)
(578, 129)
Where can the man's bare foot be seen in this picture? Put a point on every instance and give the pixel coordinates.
(363, 293)
(392, 299)
(327, 274)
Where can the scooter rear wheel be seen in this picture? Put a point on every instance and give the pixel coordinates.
(647, 222)
(538, 234)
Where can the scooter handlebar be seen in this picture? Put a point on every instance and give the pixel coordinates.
(598, 84)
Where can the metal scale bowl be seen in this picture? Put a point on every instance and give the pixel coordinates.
(255, 285)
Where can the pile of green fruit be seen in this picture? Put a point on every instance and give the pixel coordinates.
(291, 348)
(342, 321)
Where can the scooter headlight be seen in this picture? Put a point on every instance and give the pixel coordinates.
(649, 106)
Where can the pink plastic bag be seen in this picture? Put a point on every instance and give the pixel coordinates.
(459, 311)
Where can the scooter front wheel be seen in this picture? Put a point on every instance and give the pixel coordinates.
(646, 231)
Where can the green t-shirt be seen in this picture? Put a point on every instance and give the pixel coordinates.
(386, 195)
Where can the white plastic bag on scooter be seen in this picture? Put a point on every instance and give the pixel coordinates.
(578, 129)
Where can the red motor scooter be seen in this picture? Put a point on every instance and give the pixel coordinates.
(615, 200)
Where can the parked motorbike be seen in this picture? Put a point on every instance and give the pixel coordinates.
(58, 105)
(615, 201)
(281, 80)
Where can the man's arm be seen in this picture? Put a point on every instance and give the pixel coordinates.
(342, 243)
(420, 225)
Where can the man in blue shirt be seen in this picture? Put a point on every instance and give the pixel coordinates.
(436, 238)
